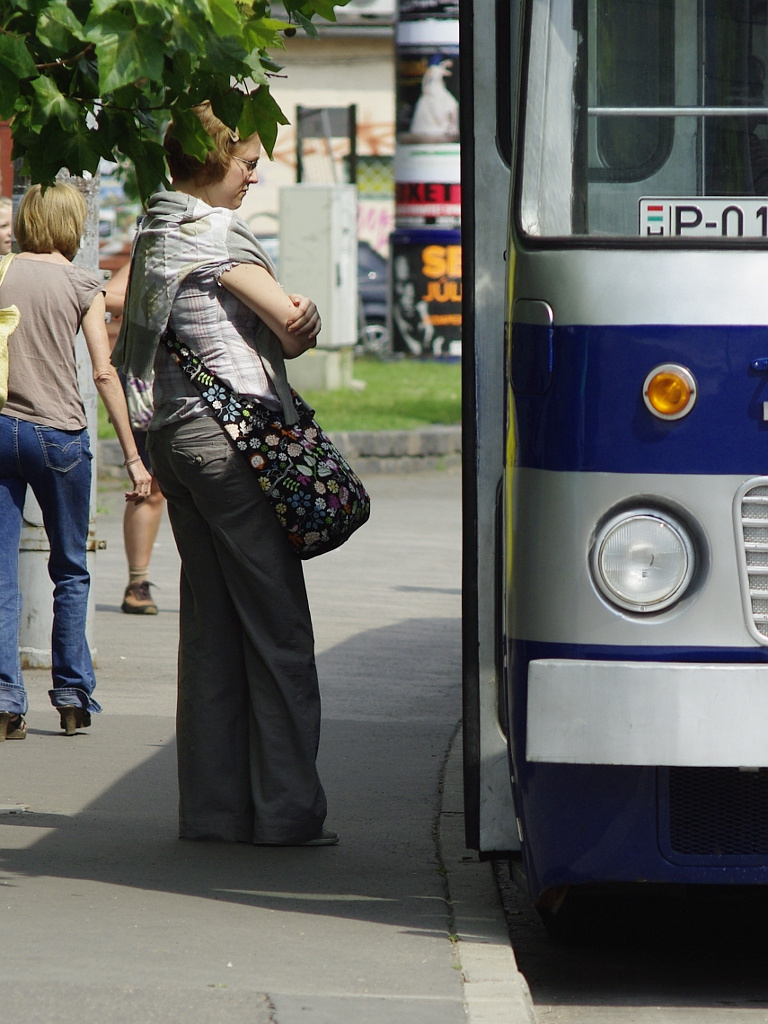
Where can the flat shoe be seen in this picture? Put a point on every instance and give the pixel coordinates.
(326, 838)
(12, 726)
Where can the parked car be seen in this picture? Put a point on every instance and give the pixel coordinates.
(372, 283)
(271, 244)
(373, 292)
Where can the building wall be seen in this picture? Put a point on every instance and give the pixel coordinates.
(333, 71)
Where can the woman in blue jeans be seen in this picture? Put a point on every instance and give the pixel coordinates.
(44, 444)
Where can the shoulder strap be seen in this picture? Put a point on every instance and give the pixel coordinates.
(5, 262)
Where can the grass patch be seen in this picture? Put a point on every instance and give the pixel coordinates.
(403, 394)
(400, 395)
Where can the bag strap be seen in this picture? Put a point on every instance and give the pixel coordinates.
(193, 367)
(5, 262)
(213, 389)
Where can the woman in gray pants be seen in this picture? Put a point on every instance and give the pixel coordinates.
(248, 719)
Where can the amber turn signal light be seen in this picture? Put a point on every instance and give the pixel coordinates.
(669, 391)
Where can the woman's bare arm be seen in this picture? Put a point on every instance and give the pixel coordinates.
(296, 323)
(111, 391)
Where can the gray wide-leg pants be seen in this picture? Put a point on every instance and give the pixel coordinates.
(248, 717)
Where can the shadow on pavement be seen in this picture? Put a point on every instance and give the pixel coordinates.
(384, 743)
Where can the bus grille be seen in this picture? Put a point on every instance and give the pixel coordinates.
(754, 529)
(718, 812)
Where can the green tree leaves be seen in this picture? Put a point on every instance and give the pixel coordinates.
(15, 56)
(261, 115)
(82, 80)
(126, 51)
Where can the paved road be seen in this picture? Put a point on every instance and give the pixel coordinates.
(648, 955)
(105, 917)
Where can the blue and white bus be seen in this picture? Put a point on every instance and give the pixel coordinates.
(615, 236)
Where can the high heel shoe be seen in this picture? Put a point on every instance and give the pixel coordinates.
(12, 726)
(73, 718)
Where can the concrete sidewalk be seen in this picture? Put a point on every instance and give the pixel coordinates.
(106, 918)
(494, 990)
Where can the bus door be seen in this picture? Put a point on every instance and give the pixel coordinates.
(489, 70)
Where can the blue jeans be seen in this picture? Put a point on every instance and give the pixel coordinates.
(57, 466)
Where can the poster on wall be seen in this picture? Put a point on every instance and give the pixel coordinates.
(428, 202)
(418, 10)
(427, 94)
(427, 157)
(425, 293)
(428, 185)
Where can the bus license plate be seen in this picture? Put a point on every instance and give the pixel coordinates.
(708, 218)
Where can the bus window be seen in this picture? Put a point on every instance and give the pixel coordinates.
(627, 102)
(633, 65)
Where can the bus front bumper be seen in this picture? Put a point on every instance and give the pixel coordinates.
(647, 713)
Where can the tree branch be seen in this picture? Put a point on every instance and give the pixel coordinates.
(66, 60)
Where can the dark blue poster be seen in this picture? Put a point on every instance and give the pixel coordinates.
(425, 283)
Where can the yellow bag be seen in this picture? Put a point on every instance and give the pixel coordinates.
(9, 321)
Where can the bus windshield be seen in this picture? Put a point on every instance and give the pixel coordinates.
(645, 119)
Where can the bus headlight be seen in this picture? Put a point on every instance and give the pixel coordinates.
(669, 391)
(643, 560)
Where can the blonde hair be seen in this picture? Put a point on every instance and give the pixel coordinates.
(51, 219)
(184, 167)
(6, 203)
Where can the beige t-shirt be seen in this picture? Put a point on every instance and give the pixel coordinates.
(42, 375)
